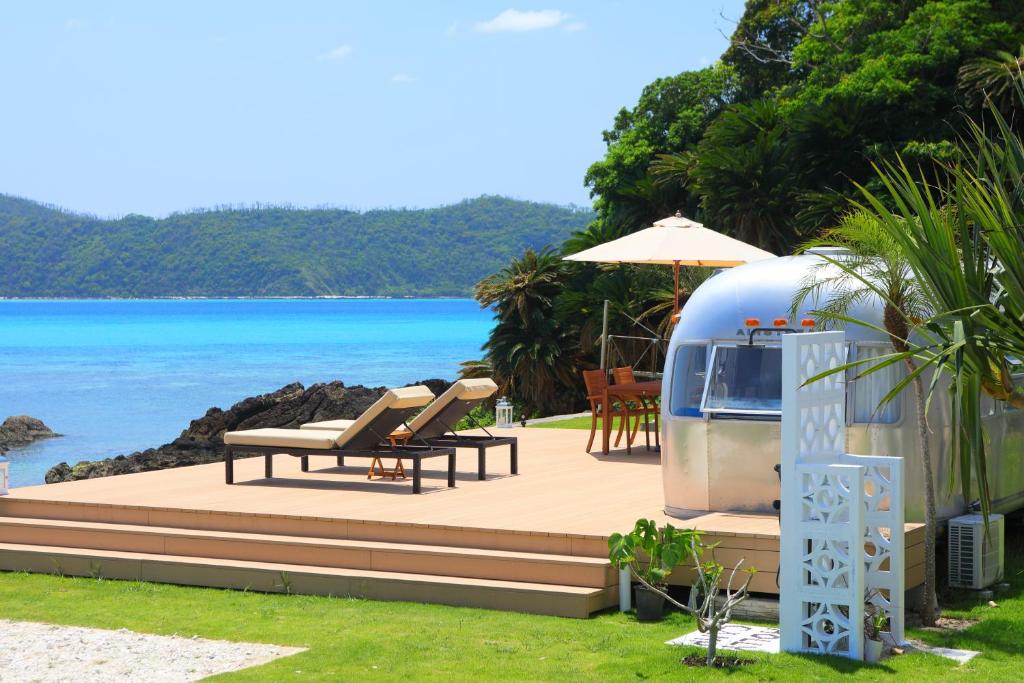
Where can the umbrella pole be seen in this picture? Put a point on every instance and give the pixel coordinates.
(675, 297)
(604, 336)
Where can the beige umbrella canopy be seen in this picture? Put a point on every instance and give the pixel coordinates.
(675, 241)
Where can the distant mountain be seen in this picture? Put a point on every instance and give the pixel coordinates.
(271, 251)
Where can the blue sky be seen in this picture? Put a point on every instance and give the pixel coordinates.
(115, 108)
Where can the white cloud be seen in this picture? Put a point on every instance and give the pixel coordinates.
(403, 78)
(575, 26)
(75, 24)
(530, 20)
(452, 29)
(340, 52)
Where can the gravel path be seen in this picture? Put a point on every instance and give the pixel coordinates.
(44, 652)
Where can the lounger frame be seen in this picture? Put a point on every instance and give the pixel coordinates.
(369, 442)
(440, 433)
(414, 453)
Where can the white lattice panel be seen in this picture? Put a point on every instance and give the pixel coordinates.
(819, 407)
(842, 515)
(884, 542)
(822, 569)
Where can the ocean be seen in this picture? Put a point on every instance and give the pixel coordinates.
(119, 376)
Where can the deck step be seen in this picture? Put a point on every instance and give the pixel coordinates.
(437, 560)
(414, 531)
(280, 577)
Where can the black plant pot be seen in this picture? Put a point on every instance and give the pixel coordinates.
(650, 606)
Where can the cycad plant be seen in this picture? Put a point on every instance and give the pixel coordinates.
(746, 176)
(874, 267)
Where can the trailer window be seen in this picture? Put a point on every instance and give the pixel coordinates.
(688, 371)
(745, 379)
(869, 390)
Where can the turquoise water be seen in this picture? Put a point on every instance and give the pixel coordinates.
(119, 376)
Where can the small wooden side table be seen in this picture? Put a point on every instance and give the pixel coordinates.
(399, 437)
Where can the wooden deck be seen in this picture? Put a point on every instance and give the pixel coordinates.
(533, 542)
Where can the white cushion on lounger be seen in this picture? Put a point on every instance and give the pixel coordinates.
(406, 397)
(285, 438)
(335, 425)
(461, 390)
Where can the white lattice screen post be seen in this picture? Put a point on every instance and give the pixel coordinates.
(835, 506)
(821, 570)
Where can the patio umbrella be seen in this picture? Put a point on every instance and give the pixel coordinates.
(675, 241)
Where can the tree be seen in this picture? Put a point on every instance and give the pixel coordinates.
(761, 47)
(529, 350)
(670, 116)
(875, 267)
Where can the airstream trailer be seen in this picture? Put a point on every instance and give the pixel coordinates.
(721, 400)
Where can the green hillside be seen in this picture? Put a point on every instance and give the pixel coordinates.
(271, 251)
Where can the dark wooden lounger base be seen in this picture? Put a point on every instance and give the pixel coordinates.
(481, 444)
(416, 454)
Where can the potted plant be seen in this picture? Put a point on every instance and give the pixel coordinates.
(650, 554)
(875, 623)
(714, 594)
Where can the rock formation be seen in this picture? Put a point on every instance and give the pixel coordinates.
(21, 430)
(203, 440)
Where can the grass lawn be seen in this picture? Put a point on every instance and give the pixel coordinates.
(356, 639)
(582, 422)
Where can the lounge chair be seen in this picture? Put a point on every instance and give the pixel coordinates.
(365, 437)
(435, 426)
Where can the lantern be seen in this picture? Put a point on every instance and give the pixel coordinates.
(503, 413)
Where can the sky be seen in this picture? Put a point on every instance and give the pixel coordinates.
(138, 107)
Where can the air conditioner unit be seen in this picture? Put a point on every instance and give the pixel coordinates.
(975, 558)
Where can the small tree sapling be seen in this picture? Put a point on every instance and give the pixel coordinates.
(665, 549)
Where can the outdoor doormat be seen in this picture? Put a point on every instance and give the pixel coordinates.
(736, 637)
(958, 656)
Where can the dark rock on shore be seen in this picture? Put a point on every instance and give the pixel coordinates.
(203, 440)
(21, 430)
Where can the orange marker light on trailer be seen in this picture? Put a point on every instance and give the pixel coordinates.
(780, 322)
(753, 322)
(807, 322)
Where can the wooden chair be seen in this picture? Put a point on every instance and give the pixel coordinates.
(596, 382)
(640, 408)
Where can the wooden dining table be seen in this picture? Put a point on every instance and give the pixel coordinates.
(636, 391)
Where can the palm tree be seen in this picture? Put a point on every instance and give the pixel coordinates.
(964, 241)
(529, 350)
(876, 268)
(993, 81)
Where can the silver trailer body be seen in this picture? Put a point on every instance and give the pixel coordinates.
(721, 405)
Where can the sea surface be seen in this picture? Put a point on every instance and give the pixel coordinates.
(119, 376)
